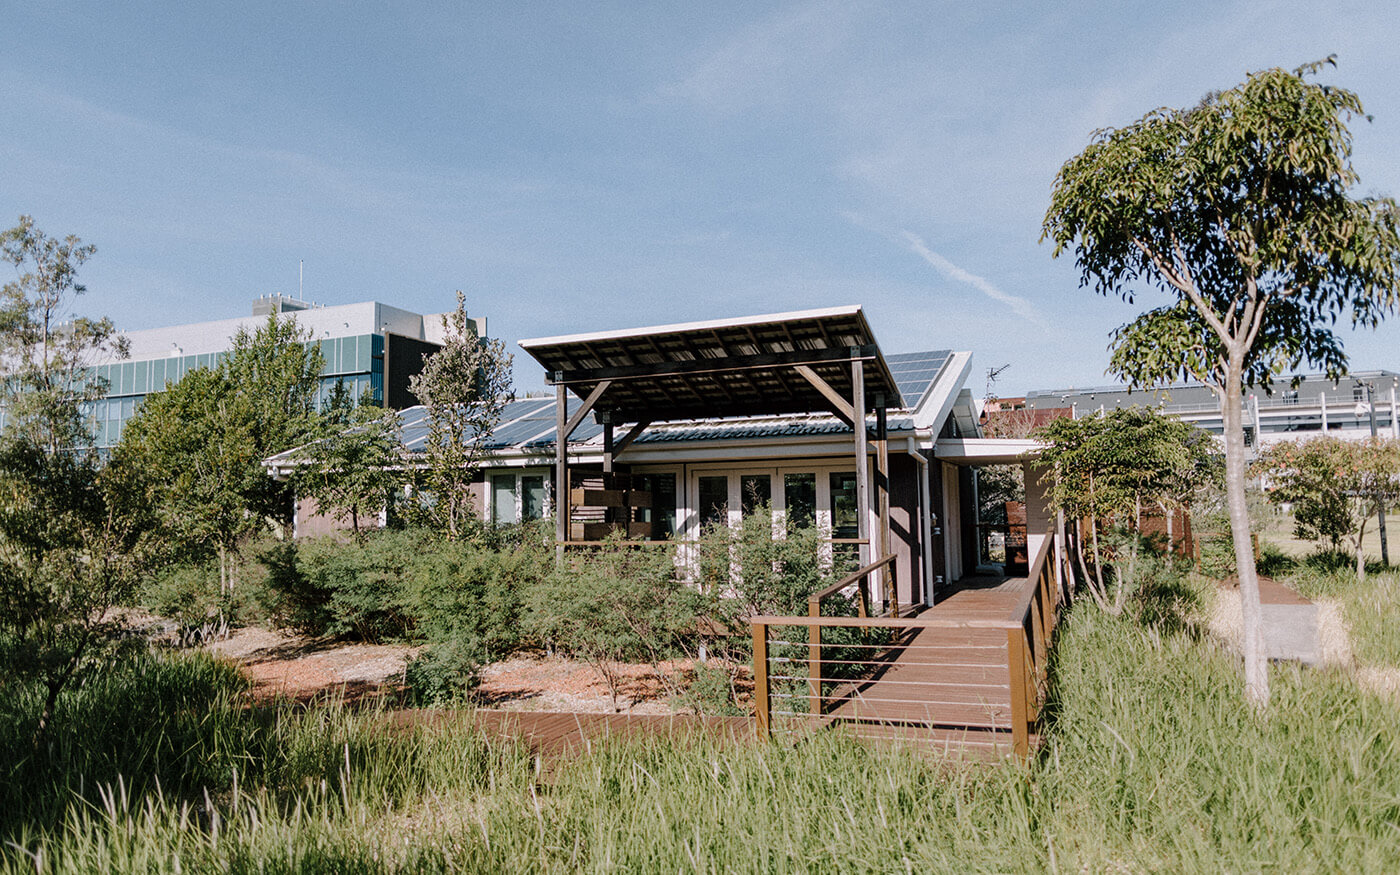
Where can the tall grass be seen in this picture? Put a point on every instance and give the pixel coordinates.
(1152, 761)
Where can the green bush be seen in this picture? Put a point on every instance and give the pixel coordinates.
(405, 585)
(444, 674)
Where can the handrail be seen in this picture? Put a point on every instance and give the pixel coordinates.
(861, 579)
(859, 576)
(1028, 626)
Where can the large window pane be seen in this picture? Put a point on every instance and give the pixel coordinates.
(845, 510)
(662, 513)
(800, 498)
(532, 497)
(714, 500)
(755, 491)
(503, 499)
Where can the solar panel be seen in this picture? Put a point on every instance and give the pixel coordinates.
(915, 372)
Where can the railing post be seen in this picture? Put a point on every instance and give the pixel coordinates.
(1020, 715)
(894, 586)
(814, 656)
(762, 702)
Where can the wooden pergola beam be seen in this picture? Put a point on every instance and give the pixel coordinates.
(843, 409)
(632, 434)
(726, 363)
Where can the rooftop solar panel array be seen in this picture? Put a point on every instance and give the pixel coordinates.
(915, 372)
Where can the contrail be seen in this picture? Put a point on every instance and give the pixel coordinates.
(1020, 306)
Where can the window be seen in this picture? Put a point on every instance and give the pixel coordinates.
(714, 500)
(532, 497)
(845, 517)
(662, 513)
(502, 499)
(755, 491)
(800, 499)
(516, 498)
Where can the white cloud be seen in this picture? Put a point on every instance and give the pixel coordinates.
(1018, 305)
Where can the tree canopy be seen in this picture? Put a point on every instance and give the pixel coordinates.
(75, 540)
(1332, 485)
(1241, 211)
(464, 386)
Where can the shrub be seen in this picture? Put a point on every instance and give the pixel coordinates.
(614, 605)
(444, 674)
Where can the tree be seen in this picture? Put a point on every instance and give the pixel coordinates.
(355, 466)
(204, 440)
(1109, 467)
(1239, 210)
(45, 348)
(73, 542)
(464, 386)
(1332, 485)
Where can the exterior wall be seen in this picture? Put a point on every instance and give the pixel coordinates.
(1039, 518)
(905, 537)
(351, 337)
(311, 523)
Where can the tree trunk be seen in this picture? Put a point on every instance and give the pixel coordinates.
(1256, 669)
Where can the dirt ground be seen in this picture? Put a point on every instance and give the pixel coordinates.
(303, 669)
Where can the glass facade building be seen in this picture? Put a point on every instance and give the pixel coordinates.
(371, 348)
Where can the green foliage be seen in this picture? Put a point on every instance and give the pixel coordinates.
(765, 566)
(1333, 486)
(1238, 209)
(1117, 464)
(1113, 467)
(615, 605)
(464, 386)
(404, 585)
(1150, 762)
(201, 442)
(353, 468)
(74, 537)
(45, 348)
(444, 674)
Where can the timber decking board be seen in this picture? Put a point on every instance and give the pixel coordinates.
(941, 686)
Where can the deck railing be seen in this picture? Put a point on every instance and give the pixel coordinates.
(980, 671)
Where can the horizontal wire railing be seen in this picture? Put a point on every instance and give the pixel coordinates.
(983, 675)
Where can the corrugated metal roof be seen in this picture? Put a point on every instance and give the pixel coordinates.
(529, 424)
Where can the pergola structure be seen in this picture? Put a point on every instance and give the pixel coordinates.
(802, 362)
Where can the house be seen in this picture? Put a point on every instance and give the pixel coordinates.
(669, 428)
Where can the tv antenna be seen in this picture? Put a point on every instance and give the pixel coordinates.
(992, 374)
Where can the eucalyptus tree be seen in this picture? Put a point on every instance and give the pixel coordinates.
(204, 439)
(1332, 485)
(73, 542)
(1110, 467)
(1241, 211)
(356, 464)
(464, 387)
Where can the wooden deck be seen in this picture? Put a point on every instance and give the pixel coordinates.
(947, 685)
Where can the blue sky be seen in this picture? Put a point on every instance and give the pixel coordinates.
(580, 167)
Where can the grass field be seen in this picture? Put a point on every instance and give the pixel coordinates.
(1152, 761)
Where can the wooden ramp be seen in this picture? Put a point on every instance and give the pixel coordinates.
(966, 675)
(948, 686)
